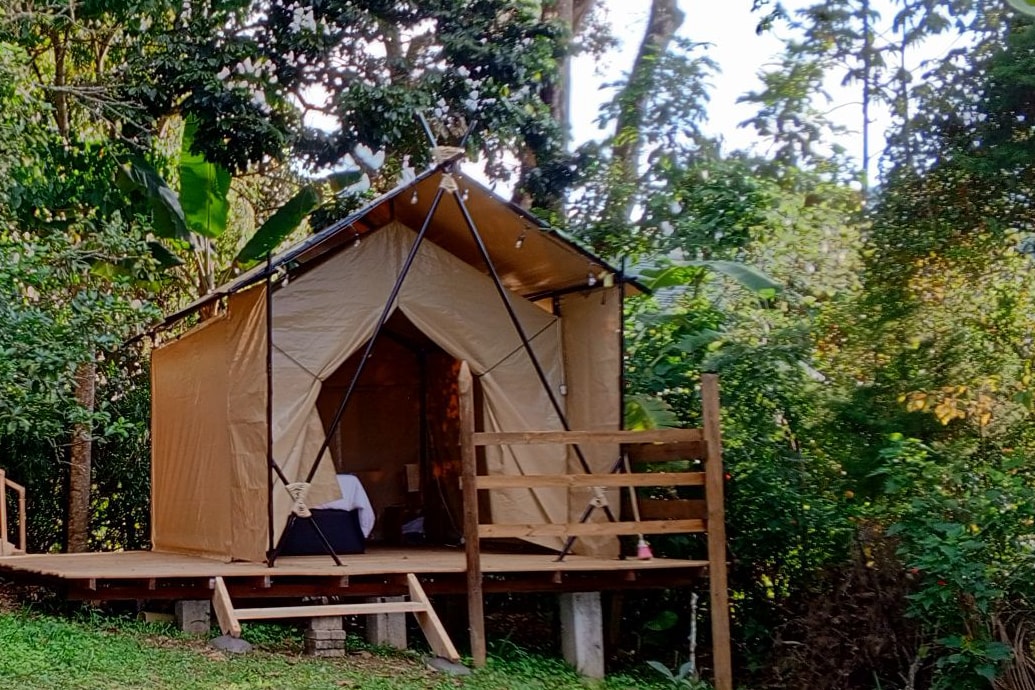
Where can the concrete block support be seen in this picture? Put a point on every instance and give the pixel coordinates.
(325, 636)
(193, 616)
(582, 632)
(387, 629)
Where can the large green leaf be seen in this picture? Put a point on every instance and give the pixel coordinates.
(281, 224)
(648, 412)
(203, 188)
(675, 274)
(748, 276)
(137, 175)
(164, 257)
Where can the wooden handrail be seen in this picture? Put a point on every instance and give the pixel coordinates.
(516, 438)
(528, 481)
(591, 529)
(6, 484)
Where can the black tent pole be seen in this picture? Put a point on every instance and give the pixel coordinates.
(385, 313)
(270, 553)
(535, 364)
(526, 344)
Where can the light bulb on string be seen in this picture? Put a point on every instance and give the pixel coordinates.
(413, 199)
(520, 241)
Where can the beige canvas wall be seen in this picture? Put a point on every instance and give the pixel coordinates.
(593, 360)
(208, 436)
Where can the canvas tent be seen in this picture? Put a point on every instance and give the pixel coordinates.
(315, 307)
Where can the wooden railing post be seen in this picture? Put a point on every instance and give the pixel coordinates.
(469, 475)
(714, 490)
(22, 543)
(3, 513)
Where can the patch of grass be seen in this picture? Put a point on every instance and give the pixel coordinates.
(44, 652)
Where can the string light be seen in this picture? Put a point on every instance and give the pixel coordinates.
(591, 280)
(413, 199)
(520, 240)
(467, 194)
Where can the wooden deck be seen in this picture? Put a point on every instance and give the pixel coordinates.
(380, 571)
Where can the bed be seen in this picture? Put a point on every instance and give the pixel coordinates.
(345, 522)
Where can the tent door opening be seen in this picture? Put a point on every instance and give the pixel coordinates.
(400, 435)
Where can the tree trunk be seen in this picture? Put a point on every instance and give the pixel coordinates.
(665, 20)
(79, 477)
(573, 14)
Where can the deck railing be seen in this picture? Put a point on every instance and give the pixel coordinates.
(7, 548)
(699, 446)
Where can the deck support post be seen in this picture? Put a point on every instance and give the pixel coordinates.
(472, 539)
(325, 636)
(193, 616)
(387, 629)
(582, 632)
(717, 585)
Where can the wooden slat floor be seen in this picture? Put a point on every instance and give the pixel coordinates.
(377, 561)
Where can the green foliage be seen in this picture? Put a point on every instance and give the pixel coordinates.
(282, 223)
(685, 677)
(49, 653)
(964, 525)
(203, 188)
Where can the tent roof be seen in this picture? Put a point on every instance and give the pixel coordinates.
(542, 263)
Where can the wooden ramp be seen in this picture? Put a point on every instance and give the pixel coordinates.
(419, 605)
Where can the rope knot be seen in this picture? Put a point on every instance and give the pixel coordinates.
(298, 492)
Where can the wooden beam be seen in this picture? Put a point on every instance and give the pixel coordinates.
(643, 453)
(591, 480)
(469, 475)
(224, 609)
(20, 490)
(673, 509)
(3, 514)
(714, 490)
(591, 529)
(513, 438)
(430, 624)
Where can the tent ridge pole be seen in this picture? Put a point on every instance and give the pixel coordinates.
(340, 412)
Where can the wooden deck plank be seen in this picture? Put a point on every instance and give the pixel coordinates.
(145, 565)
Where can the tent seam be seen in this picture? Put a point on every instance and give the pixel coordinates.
(295, 361)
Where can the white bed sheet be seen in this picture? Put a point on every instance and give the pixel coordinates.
(353, 497)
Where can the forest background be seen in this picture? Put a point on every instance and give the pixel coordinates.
(871, 315)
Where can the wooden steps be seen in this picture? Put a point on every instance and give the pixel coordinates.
(419, 605)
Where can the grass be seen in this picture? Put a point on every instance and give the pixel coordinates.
(40, 652)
